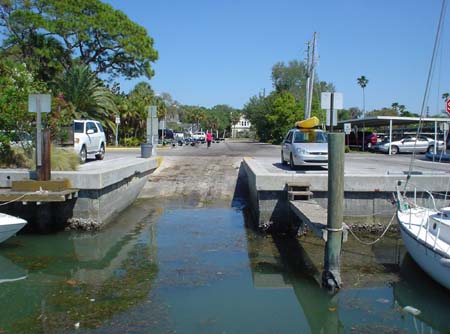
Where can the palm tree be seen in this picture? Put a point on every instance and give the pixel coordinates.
(87, 96)
(363, 81)
(445, 96)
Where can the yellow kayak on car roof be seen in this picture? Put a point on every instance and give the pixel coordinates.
(308, 123)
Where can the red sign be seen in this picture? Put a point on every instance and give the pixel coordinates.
(448, 106)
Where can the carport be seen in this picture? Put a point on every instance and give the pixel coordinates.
(378, 121)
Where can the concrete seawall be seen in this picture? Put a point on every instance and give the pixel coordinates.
(366, 196)
(105, 189)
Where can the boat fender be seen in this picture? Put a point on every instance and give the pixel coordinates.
(412, 310)
(445, 262)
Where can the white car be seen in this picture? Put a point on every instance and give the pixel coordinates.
(305, 147)
(410, 144)
(89, 138)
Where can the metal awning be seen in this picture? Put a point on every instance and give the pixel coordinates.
(394, 120)
(386, 120)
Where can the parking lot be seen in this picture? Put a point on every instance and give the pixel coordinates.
(268, 155)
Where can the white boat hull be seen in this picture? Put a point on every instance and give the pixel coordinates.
(423, 249)
(9, 226)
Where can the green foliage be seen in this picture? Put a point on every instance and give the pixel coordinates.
(16, 83)
(134, 111)
(219, 117)
(362, 81)
(283, 114)
(194, 114)
(272, 116)
(351, 113)
(382, 112)
(131, 142)
(291, 78)
(43, 55)
(99, 36)
(256, 111)
(87, 97)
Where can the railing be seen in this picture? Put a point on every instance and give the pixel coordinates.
(403, 200)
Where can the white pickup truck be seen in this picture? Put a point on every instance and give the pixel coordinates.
(199, 136)
(89, 138)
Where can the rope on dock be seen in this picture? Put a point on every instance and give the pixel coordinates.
(40, 191)
(379, 238)
(14, 200)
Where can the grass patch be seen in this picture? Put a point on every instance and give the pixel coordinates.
(16, 158)
(62, 159)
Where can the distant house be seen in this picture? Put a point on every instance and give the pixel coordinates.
(241, 128)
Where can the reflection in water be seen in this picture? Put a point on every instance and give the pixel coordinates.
(418, 290)
(81, 278)
(10, 272)
(162, 268)
(285, 264)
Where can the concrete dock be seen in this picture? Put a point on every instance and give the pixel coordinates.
(370, 180)
(104, 189)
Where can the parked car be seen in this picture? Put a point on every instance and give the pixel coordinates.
(356, 139)
(199, 136)
(305, 147)
(168, 134)
(17, 138)
(409, 145)
(89, 138)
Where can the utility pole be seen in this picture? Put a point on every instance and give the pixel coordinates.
(311, 78)
(308, 51)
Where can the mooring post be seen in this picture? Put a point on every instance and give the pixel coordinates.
(331, 276)
(46, 170)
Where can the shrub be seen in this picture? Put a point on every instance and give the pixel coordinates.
(132, 141)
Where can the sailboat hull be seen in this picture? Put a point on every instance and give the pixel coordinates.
(424, 252)
(9, 226)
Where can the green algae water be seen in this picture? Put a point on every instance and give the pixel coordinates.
(172, 268)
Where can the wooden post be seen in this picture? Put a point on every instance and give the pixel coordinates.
(331, 277)
(45, 170)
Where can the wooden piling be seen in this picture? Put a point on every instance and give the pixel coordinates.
(45, 169)
(331, 276)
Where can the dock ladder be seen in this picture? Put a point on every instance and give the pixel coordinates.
(303, 205)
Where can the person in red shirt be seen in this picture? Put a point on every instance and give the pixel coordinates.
(208, 138)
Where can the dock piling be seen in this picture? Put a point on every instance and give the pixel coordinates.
(331, 276)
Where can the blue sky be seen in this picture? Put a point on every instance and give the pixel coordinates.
(222, 51)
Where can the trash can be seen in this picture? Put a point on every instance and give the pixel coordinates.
(146, 150)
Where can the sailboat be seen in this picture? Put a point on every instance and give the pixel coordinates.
(425, 232)
(10, 225)
(425, 229)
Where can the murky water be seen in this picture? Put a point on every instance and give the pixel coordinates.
(175, 269)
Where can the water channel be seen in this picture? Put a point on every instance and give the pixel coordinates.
(173, 268)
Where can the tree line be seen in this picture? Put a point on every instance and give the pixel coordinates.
(76, 50)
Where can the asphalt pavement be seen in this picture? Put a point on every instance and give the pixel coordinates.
(269, 156)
